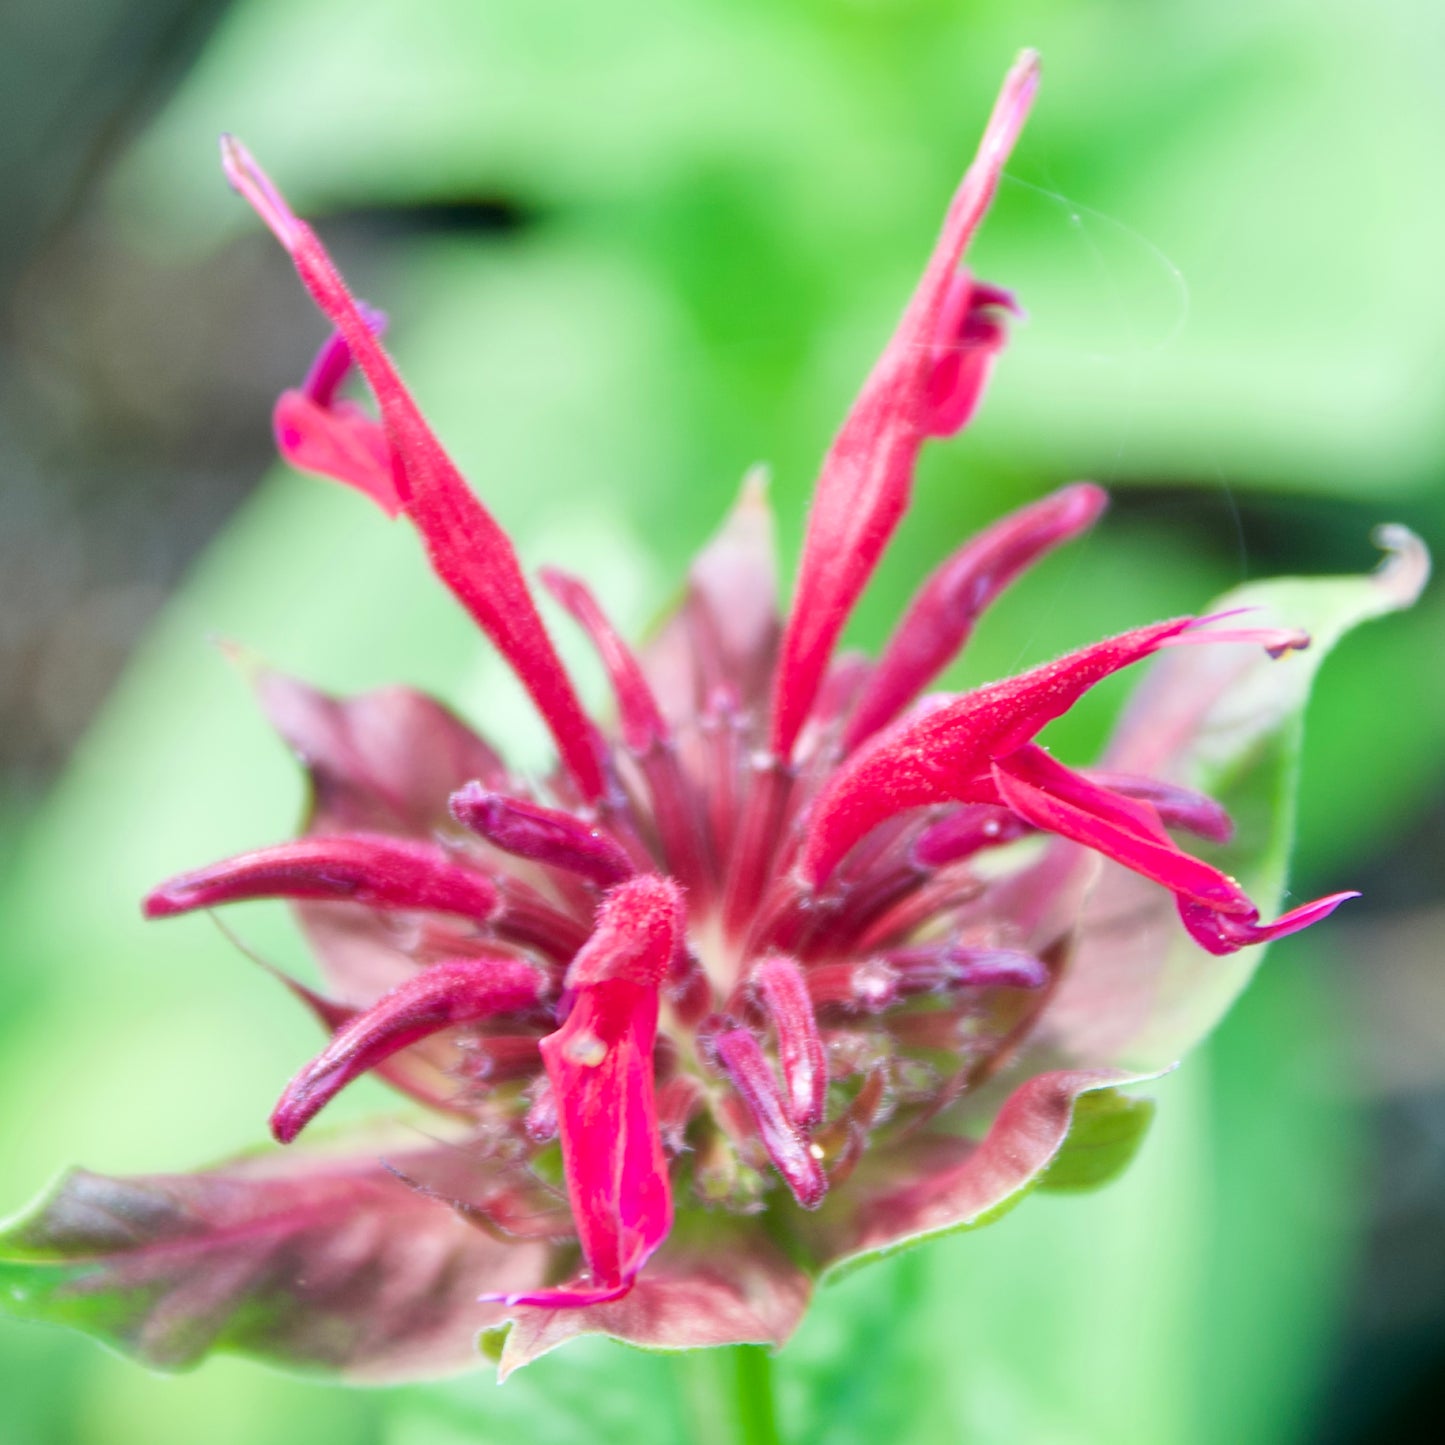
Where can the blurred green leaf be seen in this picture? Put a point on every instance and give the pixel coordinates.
(1107, 1131)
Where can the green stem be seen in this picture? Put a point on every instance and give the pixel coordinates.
(728, 1395)
(753, 1379)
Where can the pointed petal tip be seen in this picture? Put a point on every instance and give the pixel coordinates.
(1011, 110)
(1323, 907)
(258, 190)
(1220, 933)
(1276, 641)
(756, 484)
(375, 870)
(1405, 568)
(576, 1297)
(442, 996)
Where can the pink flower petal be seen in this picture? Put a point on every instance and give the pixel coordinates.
(340, 442)
(600, 1066)
(1221, 933)
(783, 989)
(642, 723)
(941, 616)
(945, 754)
(366, 868)
(787, 1144)
(1177, 807)
(1061, 801)
(468, 550)
(868, 473)
(543, 835)
(446, 994)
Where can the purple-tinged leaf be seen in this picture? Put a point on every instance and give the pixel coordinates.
(728, 1284)
(935, 1184)
(725, 633)
(384, 761)
(309, 1262)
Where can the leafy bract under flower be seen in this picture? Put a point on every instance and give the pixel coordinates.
(757, 984)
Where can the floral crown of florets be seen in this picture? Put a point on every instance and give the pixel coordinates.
(778, 925)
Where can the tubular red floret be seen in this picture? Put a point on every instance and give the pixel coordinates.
(600, 1066)
(447, 994)
(864, 486)
(543, 835)
(946, 754)
(642, 723)
(368, 868)
(786, 1144)
(468, 549)
(784, 991)
(941, 616)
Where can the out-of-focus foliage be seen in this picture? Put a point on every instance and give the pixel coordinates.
(1222, 224)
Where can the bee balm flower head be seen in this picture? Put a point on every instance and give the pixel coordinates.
(762, 977)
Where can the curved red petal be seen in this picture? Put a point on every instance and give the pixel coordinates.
(340, 442)
(868, 473)
(469, 551)
(372, 869)
(945, 754)
(1058, 800)
(941, 616)
(543, 835)
(459, 991)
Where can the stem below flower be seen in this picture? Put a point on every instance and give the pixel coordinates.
(729, 1393)
(756, 1414)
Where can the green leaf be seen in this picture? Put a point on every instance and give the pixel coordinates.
(1107, 1130)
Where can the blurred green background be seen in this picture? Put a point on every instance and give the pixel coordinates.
(627, 250)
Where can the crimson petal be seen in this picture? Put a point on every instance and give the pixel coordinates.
(368, 868)
(340, 442)
(784, 992)
(543, 835)
(459, 991)
(600, 1066)
(786, 1143)
(468, 549)
(1059, 800)
(941, 616)
(868, 473)
(944, 754)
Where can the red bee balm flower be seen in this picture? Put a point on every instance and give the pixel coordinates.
(794, 965)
